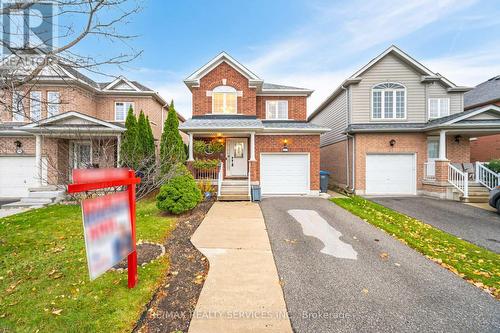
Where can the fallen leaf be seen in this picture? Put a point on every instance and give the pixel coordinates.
(57, 312)
(365, 291)
(384, 255)
(397, 264)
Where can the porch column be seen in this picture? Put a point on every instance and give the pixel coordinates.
(118, 144)
(38, 159)
(191, 158)
(442, 145)
(252, 146)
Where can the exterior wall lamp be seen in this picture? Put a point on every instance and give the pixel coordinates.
(285, 145)
(457, 138)
(19, 149)
(392, 142)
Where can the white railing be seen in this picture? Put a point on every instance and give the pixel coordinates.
(459, 179)
(249, 182)
(205, 174)
(486, 177)
(219, 178)
(430, 170)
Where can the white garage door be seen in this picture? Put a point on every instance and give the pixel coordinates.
(17, 174)
(284, 173)
(390, 174)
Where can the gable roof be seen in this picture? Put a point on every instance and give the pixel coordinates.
(72, 119)
(427, 75)
(483, 93)
(193, 80)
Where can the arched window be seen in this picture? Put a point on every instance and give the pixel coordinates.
(389, 101)
(224, 100)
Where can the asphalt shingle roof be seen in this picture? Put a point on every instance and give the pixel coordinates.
(215, 123)
(290, 125)
(483, 93)
(280, 87)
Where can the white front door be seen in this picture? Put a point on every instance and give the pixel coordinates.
(391, 174)
(432, 156)
(236, 154)
(82, 155)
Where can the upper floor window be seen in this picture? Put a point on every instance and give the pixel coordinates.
(276, 109)
(36, 105)
(224, 100)
(53, 102)
(389, 101)
(439, 107)
(121, 109)
(17, 106)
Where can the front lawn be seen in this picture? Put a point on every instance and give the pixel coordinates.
(44, 283)
(473, 263)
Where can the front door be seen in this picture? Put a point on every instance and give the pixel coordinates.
(236, 154)
(82, 157)
(432, 156)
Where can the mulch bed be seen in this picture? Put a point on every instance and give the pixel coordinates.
(173, 303)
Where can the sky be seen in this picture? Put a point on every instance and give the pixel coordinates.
(312, 44)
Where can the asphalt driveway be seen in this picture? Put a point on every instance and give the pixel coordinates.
(476, 225)
(364, 280)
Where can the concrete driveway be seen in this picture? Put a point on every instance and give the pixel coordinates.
(476, 225)
(387, 287)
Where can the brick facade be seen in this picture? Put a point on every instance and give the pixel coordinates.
(485, 148)
(202, 104)
(296, 143)
(405, 143)
(334, 159)
(297, 106)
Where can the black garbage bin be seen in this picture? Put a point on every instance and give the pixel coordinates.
(324, 177)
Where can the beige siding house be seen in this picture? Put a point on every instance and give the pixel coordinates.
(400, 129)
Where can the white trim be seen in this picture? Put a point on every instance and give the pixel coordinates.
(118, 80)
(224, 92)
(245, 156)
(394, 100)
(476, 112)
(440, 115)
(277, 101)
(125, 111)
(39, 105)
(71, 114)
(308, 180)
(415, 172)
(53, 104)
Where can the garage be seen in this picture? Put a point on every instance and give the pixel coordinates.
(391, 174)
(17, 174)
(284, 173)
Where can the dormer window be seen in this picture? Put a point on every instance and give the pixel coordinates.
(224, 100)
(389, 101)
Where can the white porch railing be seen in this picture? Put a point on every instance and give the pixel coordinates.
(219, 178)
(205, 174)
(486, 177)
(429, 171)
(249, 182)
(459, 180)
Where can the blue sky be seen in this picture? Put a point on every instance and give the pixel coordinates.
(312, 44)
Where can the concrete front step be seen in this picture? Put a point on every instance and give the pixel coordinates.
(233, 197)
(38, 201)
(44, 188)
(45, 194)
(21, 204)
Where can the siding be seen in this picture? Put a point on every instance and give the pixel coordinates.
(456, 99)
(333, 116)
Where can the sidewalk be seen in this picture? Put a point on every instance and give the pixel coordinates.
(242, 291)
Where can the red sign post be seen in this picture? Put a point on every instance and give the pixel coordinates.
(95, 179)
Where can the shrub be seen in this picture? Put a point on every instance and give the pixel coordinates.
(205, 164)
(205, 186)
(179, 194)
(201, 147)
(494, 165)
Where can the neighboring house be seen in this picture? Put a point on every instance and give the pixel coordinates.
(484, 148)
(66, 120)
(400, 129)
(262, 126)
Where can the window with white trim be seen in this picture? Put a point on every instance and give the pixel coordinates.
(224, 100)
(36, 105)
(121, 110)
(17, 106)
(277, 110)
(439, 107)
(53, 102)
(389, 101)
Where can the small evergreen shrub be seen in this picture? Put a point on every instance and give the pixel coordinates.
(179, 194)
(494, 165)
(205, 164)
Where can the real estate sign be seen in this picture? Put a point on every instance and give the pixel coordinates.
(107, 230)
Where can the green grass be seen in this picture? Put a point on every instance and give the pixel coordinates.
(43, 269)
(473, 263)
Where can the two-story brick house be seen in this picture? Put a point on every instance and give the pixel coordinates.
(262, 126)
(400, 129)
(66, 120)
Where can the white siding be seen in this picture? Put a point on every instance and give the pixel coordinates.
(333, 116)
(456, 99)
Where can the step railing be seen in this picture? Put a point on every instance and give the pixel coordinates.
(429, 170)
(219, 178)
(459, 179)
(249, 182)
(486, 177)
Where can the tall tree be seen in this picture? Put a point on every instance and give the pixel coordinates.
(129, 141)
(171, 147)
(142, 137)
(151, 138)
